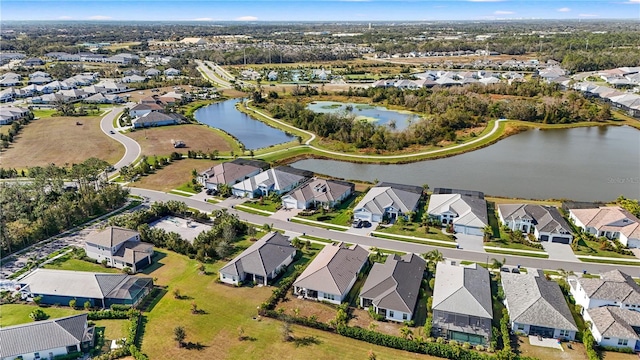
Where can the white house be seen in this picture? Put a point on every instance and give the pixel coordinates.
(612, 222)
(172, 72)
(9, 114)
(120, 248)
(393, 288)
(275, 180)
(387, 200)
(536, 306)
(545, 222)
(318, 193)
(467, 213)
(261, 262)
(143, 109)
(230, 172)
(332, 273)
(613, 288)
(615, 327)
(46, 339)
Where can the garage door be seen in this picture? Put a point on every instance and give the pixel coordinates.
(560, 239)
(544, 237)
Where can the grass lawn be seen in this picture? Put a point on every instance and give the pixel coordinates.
(66, 263)
(324, 226)
(114, 329)
(264, 204)
(60, 141)
(507, 252)
(612, 355)
(502, 243)
(14, 314)
(525, 349)
(414, 229)
(157, 140)
(415, 241)
(618, 262)
(174, 175)
(341, 215)
(226, 309)
(43, 113)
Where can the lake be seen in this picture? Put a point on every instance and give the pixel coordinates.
(254, 134)
(584, 164)
(380, 115)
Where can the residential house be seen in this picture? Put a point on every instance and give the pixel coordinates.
(613, 288)
(143, 109)
(615, 327)
(10, 81)
(278, 180)
(388, 200)
(133, 79)
(39, 74)
(46, 339)
(193, 41)
(332, 273)
(120, 248)
(318, 193)
(462, 307)
(172, 72)
(612, 222)
(8, 94)
(152, 73)
(261, 262)
(230, 173)
(100, 98)
(73, 94)
(9, 114)
(467, 212)
(393, 288)
(537, 306)
(154, 118)
(99, 289)
(272, 75)
(544, 222)
(33, 62)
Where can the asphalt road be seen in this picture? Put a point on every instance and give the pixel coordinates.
(213, 75)
(459, 254)
(132, 148)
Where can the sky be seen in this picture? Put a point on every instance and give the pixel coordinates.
(316, 10)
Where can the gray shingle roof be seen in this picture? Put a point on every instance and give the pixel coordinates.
(228, 173)
(42, 335)
(380, 198)
(333, 269)
(463, 290)
(321, 190)
(395, 284)
(546, 218)
(613, 286)
(263, 257)
(111, 236)
(534, 300)
(613, 321)
(471, 210)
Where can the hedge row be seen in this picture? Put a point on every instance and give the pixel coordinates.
(281, 291)
(108, 314)
(70, 356)
(130, 347)
(589, 344)
(300, 320)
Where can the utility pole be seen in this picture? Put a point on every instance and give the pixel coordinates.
(244, 53)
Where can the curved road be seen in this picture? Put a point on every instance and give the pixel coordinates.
(131, 147)
(469, 255)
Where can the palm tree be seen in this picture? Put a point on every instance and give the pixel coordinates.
(433, 257)
(487, 233)
(406, 333)
(179, 335)
(497, 264)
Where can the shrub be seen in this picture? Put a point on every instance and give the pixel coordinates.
(466, 346)
(70, 356)
(479, 347)
(37, 300)
(38, 315)
(72, 303)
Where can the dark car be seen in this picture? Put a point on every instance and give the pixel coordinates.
(504, 269)
(515, 271)
(111, 132)
(366, 224)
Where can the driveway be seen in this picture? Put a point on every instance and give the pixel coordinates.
(285, 214)
(470, 242)
(558, 251)
(363, 231)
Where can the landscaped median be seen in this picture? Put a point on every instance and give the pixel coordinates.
(253, 210)
(324, 225)
(608, 260)
(414, 239)
(517, 252)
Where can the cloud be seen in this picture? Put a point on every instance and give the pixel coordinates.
(203, 19)
(588, 15)
(632, 2)
(564, 9)
(65, 18)
(503, 12)
(99, 17)
(246, 18)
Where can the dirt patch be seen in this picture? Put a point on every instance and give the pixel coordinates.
(323, 312)
(361, 318)
(137, 95)
(157, 141)
(173, 175)
(60, 140)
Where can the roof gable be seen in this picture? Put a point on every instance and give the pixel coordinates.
(463, 290)
(263, 257)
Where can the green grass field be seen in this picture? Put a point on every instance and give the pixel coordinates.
(66, 263)
(14, 314)
(506, 252)
(415, 241)
(264, 204)
(416, 230)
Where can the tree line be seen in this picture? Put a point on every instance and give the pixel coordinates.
(440, 112)
(32, 211)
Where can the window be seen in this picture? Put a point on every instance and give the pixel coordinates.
(564, 332)
(329, 296)
(404, 316)
(390, 313)
(36, 355)
(623, 342)
(520, 326)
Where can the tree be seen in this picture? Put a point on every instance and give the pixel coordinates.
(241, 336)
(433, 257)
(72, 303)
(87, 305)
(487, 233)
(285, 330)
(179, 335)
(37, 300)
(406, 333)
(497, 264)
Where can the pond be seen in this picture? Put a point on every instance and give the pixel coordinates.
(583, 164)
(378, 114)
(254, 134)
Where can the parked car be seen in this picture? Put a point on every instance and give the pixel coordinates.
(111, 132)
(357, 223)
(366, 224)
(515, 271)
